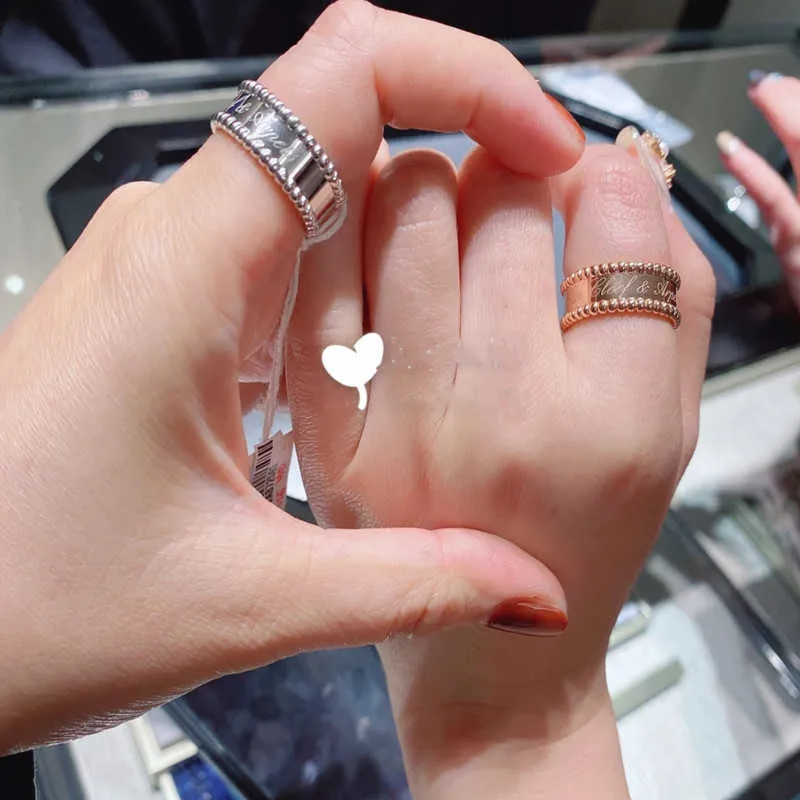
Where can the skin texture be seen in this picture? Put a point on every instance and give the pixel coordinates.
(120, 394)
(569, 446)
(778, 99)
(135, 560)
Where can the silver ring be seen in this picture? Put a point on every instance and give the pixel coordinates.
(276, 138)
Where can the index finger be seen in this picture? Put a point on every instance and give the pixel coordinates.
(358, 68)
(382, 67)
(778, 99)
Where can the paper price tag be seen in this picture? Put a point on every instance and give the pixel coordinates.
(269, 467)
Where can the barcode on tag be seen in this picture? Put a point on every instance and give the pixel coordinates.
(262, 476)
(269, 468)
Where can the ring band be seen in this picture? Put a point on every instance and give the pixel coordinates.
(660, 150)
(621, 287)
(276, 138)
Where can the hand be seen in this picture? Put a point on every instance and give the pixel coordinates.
(484, 415)
(136, 560)
(778, 99)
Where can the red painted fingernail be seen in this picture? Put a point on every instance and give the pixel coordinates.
(529, 618)
(567, 116)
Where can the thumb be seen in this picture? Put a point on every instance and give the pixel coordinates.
(335, 588)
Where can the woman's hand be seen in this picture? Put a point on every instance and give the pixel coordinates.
(136, 561)
(484, 415)
(778, 99)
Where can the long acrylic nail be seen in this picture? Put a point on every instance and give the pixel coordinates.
(630, 140)
(567, 116)
(758, 76)
(727, 142)
(528, 617)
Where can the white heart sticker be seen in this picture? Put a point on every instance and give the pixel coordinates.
(355, 367)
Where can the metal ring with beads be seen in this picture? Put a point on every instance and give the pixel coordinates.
(632, 287)
(279, 142)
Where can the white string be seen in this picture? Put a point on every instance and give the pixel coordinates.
(270, 405)
(270, 402)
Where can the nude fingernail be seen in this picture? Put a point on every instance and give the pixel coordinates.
(644, 147)
(568, 117)
(727, 142)
(626, 138)
(528, 617)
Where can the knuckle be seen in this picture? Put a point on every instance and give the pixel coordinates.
(479, 165)
(503, 51)
(621, 185)
(434, 603)
(707, 287)
(424, 166)
(620, 177)
(126, 238)
(125, 197)
(704, 291)
(124, 233)
(129, 248)
(640, 457)
(254, 621)
(697, 297)
(114, 253)
(526, 463)
(115, 212)
(515, 476)
(415, 615)
(416, 191)
(347, 25)
(691, 431)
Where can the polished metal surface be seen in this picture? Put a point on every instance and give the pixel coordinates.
(621, 288)
(278, 140)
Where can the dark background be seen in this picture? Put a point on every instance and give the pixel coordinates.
(49, 37)
(16, 777)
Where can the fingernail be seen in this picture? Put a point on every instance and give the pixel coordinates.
(645, 146)
(627, 137)
(757, 76)
(567, 116)
(528, 618)
(727, 142)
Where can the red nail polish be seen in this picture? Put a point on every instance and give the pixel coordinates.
(567, 116)
(529, 618)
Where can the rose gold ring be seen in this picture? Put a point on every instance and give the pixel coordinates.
(661, 152)
(637, 287)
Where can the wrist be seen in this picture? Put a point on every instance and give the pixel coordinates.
(477, 666)
(471, 750)
(483, 714)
